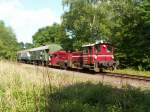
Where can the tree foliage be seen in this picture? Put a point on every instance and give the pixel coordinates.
(123, 22)
(23, 46)
(133, 35)
(86, 21)
(52, 34)
(8, 42)
(47, 35)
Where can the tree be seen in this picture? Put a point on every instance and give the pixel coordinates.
(23, 46)
(28, 45)
(47, 35)
(123, 22)
(8, 42)
(86, 21)
(132, 34)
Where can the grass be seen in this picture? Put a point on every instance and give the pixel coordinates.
(24, 88)
(132, 72)
(88, 97)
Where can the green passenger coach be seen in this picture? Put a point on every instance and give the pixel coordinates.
(39, 55)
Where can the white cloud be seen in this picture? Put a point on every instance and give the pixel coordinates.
(25, 22)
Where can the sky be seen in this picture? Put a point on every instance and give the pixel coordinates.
(25, 17)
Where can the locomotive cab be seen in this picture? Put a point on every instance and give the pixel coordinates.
(104, 52)
(98, 56)
(59, 58)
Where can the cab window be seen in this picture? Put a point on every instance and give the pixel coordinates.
(54, 55)
(109, 48)
(85, 50)
(98, 48)
(90, 50)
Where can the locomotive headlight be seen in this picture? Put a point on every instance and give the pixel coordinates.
(104, 46)
(95, 57)
(112, 57)
(49, 58)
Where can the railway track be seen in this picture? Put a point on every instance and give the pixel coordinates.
(128, 76)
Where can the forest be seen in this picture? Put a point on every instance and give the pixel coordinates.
(124, 23)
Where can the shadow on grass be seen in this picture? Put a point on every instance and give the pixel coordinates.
(88, 97)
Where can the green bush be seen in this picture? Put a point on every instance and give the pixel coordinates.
(87, 97)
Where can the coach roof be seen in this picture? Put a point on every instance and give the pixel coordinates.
(52, 48)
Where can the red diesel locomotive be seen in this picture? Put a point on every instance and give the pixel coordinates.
(93, 56)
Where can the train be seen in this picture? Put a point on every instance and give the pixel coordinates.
(96, 56)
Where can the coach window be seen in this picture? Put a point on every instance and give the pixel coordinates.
(41, 52)
(47, 50)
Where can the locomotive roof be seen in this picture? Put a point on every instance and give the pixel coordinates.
(57, 52)
(88, 45)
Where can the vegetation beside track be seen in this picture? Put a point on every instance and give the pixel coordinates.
(28, 89)
(132, 72)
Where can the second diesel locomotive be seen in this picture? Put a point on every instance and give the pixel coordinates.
(95, 57)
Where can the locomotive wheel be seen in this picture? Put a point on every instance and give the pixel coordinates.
(97, 70)
(42, 63)
(64, 66)
(101, 70)
(111, 68)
